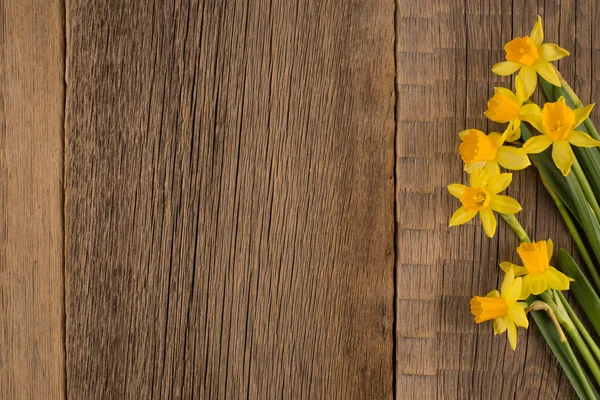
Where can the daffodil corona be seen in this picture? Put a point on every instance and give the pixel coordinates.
(479, 150)
(557, 123)
(482, 197)
(531, 56)
(503, 308)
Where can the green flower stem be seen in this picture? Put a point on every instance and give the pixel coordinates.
(512, 221)
(569, 326)
(579, 325)
(574, 233)
(587, 189)
(577, 103)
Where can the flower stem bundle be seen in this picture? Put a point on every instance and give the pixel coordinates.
(559, 139)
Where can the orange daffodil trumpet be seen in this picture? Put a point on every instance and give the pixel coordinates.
(503, 308)
(537, 273)
(530, 56)
(557, 122)
(479, 150)
(482, 197)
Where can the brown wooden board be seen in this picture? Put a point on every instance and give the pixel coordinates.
(445, 51)
(229, 199)
(31, 190)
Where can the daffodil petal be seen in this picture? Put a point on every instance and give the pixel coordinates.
(456, 190)
(461, 134)
(511, 295)
(504, 204)
(470, 167)
(517, 269)
(511, 158)
(492, 168)
(537, 33)
(499, 183)
(530, 109)
(505, 92)
(534, 284)
(550, 248)
(520, 90)
(582, 139)
(499, 326)
(518, 316)
(505, 68)
(488, 220)
(513, 132)
(556, 279)
(536, 144)
(507, 282)
(493, 293)
(552, 52)
(511, 332)
(547, 71)
(529, 77)
(563, 156)
(462, 216)
(582, 113)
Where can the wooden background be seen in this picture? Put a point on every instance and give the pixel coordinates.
(246, 199)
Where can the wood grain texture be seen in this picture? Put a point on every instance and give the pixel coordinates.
(445, 51)
(31, 169)
(229, 199)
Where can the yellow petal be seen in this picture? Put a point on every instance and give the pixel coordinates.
(534, 284)
(461, 134)
(547, 71)
(552, 52)
(582, 113)
(507, 282)
(461, 216)
(456, 189)
(513, 131)
(511, 331)
(511, 158)
(512, 293)
(530, 109)
(556, 279)
(505, 68)
(536, 144)
(491, 168)
(488, 221)
(505, 92)
(520, 90)
(518, 316)
(582, 139)
(499, 183)
(563, 156)
(499, 326)
(537, 33)
(529, 77)
(470, 167)
(550, 247)
(517, 269)
(504, 204)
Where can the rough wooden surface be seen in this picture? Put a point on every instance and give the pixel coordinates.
(229, 199)
(31, 234)
(445, 51)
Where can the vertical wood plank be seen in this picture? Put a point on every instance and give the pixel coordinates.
(445, 51)
(229, 199)
(31, 169)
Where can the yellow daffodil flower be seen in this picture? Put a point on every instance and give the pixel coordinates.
(482, 197)
(557, 123)
(532, 57)
(505, 106)
(479, 150)
(503, 308)
(537, 273)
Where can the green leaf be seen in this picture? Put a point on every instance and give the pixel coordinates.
(582, 288)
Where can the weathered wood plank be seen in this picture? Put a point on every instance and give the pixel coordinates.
(229, 199)
(445, 51)
(31, 169)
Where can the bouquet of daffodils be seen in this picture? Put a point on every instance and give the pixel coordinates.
(562, 143)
